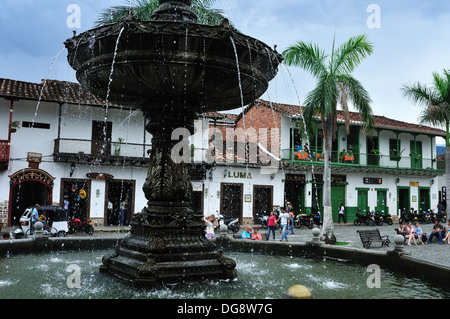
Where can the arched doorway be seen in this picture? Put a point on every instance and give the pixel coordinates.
(28, 187)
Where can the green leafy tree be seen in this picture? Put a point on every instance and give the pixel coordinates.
(435, 100)
(335, 86)
(143, 10)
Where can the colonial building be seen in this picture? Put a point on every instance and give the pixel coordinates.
(60, 145)
(394, 169)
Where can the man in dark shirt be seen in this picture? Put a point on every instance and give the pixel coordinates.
(437, 231)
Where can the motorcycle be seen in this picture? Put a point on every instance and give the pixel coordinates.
(432, 216)
(388, 219)
(317, 220)
(441, 217)
(303, 220)
(231, 223)
(76, 224)
(365, 219)
(424, 217)
(410, 217)
(378, 218)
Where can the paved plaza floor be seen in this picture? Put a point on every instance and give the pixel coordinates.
(434, 252)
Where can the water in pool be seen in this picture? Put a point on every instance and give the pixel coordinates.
(76, 275)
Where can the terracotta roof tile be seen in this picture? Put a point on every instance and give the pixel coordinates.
(54, 91)
(69, 92)
(355, 118)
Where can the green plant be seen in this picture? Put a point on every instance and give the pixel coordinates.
(117, 146)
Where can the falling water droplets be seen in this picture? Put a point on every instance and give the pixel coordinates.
(45, 84)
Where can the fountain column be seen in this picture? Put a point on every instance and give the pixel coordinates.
(167, 239)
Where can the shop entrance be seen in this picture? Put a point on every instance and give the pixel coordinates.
(262, 202)
(337, 198)
(28, 188)
(75, 195)
(403, 203)
(27, 194)
(424, 199)
(231, 201)
(294, 192)
(120, 202)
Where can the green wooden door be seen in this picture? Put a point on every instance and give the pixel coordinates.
(424, 199)
(337, 198)
(416, 154)
(381, 202)
(363, 200)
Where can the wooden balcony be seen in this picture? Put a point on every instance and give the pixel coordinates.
(362, 162)
(99, 152)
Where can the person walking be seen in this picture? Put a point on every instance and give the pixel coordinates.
(291, 222)
(271, 225)
(341, 214)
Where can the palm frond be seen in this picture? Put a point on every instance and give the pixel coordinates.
(350, 54)
(419, 94)
(307, 56)
(360, 99)
(143, 10)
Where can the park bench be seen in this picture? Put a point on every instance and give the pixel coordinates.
(368, 237)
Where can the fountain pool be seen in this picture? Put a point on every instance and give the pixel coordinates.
(50, 275)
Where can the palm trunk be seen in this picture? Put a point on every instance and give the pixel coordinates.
(328, 227)
(447, 176)
(447, 164)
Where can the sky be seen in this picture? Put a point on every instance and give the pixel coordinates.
(411, 40)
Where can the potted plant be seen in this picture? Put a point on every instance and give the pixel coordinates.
(13, 126)
(377, 152)
(396, 154)
(117, 146)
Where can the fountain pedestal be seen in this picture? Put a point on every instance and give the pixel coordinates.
(167, 239)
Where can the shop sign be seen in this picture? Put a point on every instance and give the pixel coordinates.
(242, 175)
(373, 180)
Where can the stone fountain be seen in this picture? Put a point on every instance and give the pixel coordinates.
(172, 69)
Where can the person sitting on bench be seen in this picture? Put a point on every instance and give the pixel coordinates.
(247, 233)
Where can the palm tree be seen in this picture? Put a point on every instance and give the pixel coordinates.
(143, 10)
(335, 85)
(436, 103)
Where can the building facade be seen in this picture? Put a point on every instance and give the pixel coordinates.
(62, 146)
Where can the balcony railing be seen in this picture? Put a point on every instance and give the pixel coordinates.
(369, 160)
(79, 150)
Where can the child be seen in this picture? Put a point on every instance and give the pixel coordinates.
(211, 223)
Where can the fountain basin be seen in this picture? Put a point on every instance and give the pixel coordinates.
(47, 275)
(163, 62)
